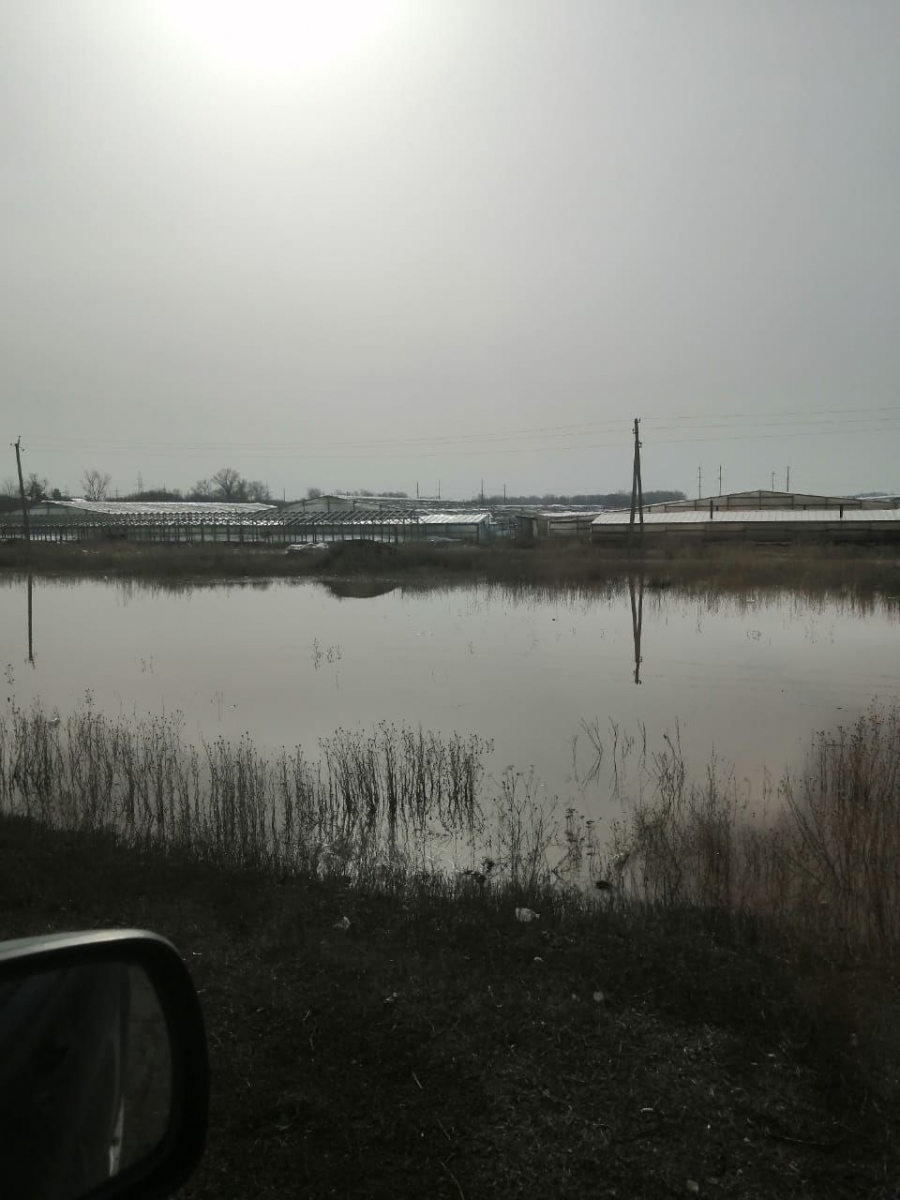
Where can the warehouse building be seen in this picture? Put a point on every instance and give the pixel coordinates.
(753, 525)
(758, 500)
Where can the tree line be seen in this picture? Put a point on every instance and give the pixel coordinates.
(227, 485)
(587, 499)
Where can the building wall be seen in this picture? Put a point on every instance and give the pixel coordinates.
(752, 501)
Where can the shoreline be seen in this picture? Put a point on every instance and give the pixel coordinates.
(864, 569)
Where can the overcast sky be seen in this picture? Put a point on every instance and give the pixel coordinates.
(369, 244)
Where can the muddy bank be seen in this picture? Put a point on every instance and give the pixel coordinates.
(867, 570)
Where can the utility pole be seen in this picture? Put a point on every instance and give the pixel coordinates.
(504, 493)
(482, 490)
(699, 483)
(720, 480)
(773, 481)
(18, 446)
(787, 481)
(637, 491)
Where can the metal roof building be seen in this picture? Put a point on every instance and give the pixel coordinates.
(763, 499)
(756, 525)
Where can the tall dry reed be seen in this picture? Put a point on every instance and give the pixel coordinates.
(381, 795)
(820, 853)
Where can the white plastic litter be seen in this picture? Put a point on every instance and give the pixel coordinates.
(343, 924)
(527, 914)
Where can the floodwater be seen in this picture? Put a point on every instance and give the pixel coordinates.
(748, 680)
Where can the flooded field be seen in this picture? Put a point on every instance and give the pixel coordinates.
(549, 678)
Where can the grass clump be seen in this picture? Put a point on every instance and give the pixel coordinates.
(372, 801)
(824, 860)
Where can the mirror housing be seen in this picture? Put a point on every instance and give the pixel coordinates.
(162, 1168)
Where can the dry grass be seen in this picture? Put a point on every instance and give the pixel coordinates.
(824, 860)
(827, 570)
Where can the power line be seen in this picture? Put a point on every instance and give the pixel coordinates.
(662, 423)
(434, 447)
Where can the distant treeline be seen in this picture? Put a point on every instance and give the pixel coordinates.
(592, 499)
(229, 485)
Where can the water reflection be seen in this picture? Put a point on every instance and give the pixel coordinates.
(748, 676)
(637, 621)
(358, 589)
(30, 591)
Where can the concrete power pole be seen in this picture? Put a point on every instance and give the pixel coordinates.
(637, 491)
(18, 446)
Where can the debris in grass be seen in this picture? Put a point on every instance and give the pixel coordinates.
(692, 1186)
(527, 914)
(343, 924)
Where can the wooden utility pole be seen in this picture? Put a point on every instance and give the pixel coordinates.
(699, 483)
(637, 491)
(773, 481)
(787, 481)
(18, 446)
(720, 481)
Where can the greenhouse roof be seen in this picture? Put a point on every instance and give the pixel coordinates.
(163, 508)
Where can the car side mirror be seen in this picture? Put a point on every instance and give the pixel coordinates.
(104, 1077)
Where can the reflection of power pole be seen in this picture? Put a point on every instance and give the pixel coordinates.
(18, 445)
(637, 490)
(637, 621)
(31, 618)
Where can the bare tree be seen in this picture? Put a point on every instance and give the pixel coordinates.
(228, 484)
(95, 485)
(313, 493)
(35, 487)
(10, 487)
(202, 490)
(257, 490)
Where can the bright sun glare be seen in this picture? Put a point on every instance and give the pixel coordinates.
(278, 35)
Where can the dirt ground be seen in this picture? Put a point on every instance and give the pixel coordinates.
(440, 1047)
